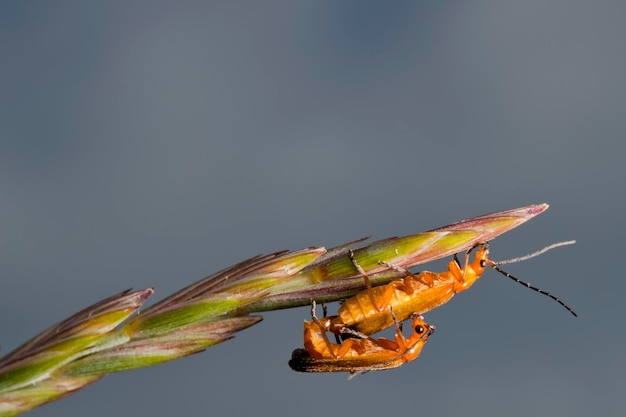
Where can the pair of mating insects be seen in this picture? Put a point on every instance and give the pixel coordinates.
(389, 305)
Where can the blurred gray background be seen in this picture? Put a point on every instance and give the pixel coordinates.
(153, 143)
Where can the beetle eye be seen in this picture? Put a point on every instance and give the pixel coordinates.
(419, 329)
(483, 263)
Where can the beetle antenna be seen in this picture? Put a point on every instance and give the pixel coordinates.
(537, 253)
(532, 287)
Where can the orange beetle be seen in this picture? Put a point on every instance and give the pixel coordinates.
(359, 353)
(367, 312)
